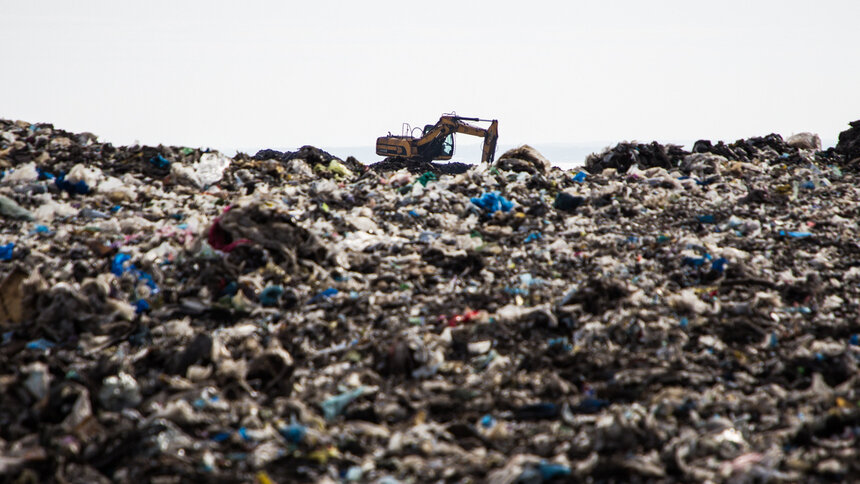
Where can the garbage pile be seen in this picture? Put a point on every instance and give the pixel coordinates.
(172, 314)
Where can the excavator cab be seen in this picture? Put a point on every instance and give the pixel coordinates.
(446, 150)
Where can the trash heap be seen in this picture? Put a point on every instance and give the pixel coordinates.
(172, 314)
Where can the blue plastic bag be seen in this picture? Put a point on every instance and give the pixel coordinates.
(6, 251)
(492, 202)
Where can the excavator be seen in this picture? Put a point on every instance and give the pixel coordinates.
(437, 140)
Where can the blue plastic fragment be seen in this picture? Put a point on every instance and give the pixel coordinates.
(40, 344)
(44, 175)
(141, 306)
(6, 251)
(414, 214)
(221, 436)
(706, 219)
(41, 229)
(270, 295)
(147, 278)
(580, 177)
(117, 266)
(492, 202)
(796, 235)
(78, 188)
(533, 236)
(773, 341)
(561, 343)
(684, 322)
(513, 291)
(159, 161)
(334, 406)
(487, 421)
(809, 185)
(719, 265)
(294, 433)
(529, 280)
(243, 432)
(549, 471)
(855, 339)
(328, 293)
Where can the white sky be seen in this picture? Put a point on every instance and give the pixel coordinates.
(279, 74)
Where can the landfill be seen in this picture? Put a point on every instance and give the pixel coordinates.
(172, 314)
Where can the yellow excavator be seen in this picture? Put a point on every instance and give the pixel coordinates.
(437, 140)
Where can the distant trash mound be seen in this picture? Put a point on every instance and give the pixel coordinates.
(849, 142)
(314, 157)
(771, 148)
(625, 155)
(311, 154)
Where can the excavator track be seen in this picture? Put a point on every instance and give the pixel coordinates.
(418, 166)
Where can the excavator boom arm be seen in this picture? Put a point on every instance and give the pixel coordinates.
(448, 125)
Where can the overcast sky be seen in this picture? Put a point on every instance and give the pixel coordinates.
(280, 74)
